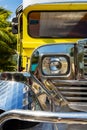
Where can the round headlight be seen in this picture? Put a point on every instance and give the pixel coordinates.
(55, 65)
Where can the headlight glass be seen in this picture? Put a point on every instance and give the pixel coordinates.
(55, 65)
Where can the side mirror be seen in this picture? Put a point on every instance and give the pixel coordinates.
(15, 25)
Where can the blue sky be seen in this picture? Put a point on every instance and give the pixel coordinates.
(10, 5)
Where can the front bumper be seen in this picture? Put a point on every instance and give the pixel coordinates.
(46, 117)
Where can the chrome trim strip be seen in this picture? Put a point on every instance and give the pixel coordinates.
(69, 82)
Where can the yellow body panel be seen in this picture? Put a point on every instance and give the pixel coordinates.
(29, 43)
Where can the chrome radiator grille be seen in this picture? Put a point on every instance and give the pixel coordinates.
(74, 93)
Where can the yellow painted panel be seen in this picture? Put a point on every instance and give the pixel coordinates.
(29, 43)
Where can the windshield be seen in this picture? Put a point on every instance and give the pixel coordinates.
(59, 24)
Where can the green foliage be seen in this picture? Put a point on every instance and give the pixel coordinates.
(7, 42)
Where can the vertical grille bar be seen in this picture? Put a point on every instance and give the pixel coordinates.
(85, 60)
(82, 59)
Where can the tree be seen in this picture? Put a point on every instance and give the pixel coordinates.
(7, 41)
